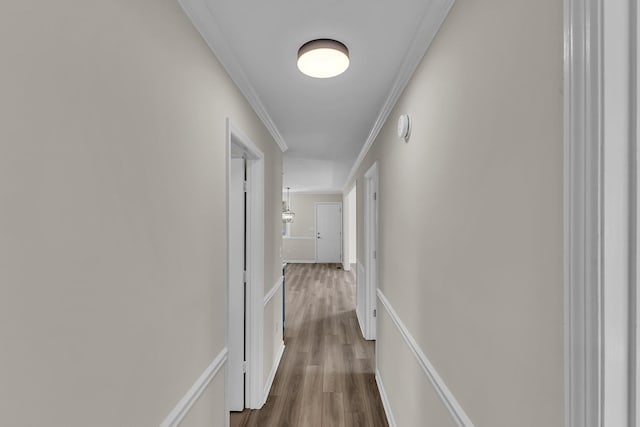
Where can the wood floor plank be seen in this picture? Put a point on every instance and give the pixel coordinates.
(326, 377)
(333, 410)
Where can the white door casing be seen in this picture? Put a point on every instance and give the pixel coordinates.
(329, 232)
(600, 75)
(236, 337)
(238, 142)
(371, 198)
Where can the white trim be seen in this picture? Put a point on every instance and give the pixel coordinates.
(450, 402)
(349, 186)
(582, 123)
(435, 15)
(204, 21)
(272, 291)
(371, 180)
(635, 212)
(272, 374)
(191, 397)
(385, 401)
(254, 323)
(616, 226)
(298, 238)
(300, 261)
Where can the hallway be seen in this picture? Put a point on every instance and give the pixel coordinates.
(326, 377)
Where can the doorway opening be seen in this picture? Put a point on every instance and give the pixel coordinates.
(245, 270)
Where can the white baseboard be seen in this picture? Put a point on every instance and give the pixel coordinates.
(182, 408)
(385, 401)
(272, 374)
(300, 261)
(346, 266)
(449, 401)
(272, 291)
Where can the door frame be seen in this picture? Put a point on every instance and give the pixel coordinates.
(236, 259)
(254, 309)
(315, 226)
(371, 193)
(346, 225)
(600, 213)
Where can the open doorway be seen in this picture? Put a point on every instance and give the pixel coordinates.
(245, 263)
(237, 283)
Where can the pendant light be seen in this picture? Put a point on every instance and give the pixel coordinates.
(323, 58)
(287, 213)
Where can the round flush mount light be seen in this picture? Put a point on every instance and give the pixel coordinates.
(323, 58)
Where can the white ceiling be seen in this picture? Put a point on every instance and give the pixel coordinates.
(324, 122)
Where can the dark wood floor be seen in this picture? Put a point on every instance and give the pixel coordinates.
(326, 377)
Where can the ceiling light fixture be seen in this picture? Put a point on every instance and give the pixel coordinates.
(323, 58)
(287, 213)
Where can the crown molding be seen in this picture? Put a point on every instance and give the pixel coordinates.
(203, 20)
(435, 15)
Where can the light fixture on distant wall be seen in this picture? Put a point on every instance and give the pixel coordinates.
(287, 213)
(323, 58)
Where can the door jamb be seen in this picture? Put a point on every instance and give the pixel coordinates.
(599, 185)
(255, 265)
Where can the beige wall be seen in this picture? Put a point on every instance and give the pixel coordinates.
(112, 181)
(301, 246)
(471, 216)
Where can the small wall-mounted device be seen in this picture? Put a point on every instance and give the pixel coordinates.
(404, 127)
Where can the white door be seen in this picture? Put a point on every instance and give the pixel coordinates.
(328, 232)
(236, 284)
(371, 249)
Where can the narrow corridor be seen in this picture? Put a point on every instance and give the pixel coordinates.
(327, 373)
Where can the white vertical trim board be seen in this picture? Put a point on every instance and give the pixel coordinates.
(450, 402)
(272, 291)
(598, 183)
(635, 196)
(582, 213)
(385, 401)
(272, 374)
(371, 249)
(190, 398)
(435, 15)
